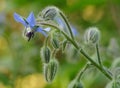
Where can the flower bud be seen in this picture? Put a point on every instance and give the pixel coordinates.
(113, 84)
(55, 43)
(75, 84)
(116, 84)
(45, 54)
(116, 73)
(50, 70)
(109, 85)
(92, 35)
(49, 13)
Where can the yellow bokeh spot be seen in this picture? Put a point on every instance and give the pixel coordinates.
(31, 81)
(71, 2)
(2, 5)
(4, 86)
(92, 13)
(88, 11)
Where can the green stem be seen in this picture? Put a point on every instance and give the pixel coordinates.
(98, 54)
(95, 64)
(67, 23)
(82, 72)
(54, 53)
(46, 40)
(80, 49)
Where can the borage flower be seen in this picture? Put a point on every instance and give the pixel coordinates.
(30, 25)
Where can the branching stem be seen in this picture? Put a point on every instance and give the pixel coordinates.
(82, 72)
(79, 49)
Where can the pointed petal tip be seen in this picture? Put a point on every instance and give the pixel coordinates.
(16, 16)
(31, 19)
(19, 18)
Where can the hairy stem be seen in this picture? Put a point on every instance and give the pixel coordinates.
(54, 53)
(82, 72)
(79, 49)
(67, 23)
(98, 55)
(96, 65)
(46, 40)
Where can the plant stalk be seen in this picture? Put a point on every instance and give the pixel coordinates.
(82, 72)
(79, 49)
(67, 23)
(98, 55)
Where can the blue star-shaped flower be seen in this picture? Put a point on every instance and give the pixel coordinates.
(30, 24)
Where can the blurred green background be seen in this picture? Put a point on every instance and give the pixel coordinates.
(20, 63)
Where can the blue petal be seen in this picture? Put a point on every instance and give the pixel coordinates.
(62, 24)
(20, 19)
(31, 19)
(74, 31)
(39, 29)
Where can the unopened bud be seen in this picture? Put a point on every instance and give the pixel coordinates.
(109, 85)
(92, 35)
(45, 54)
(116, 84)
(49, 13)
(55, 43)
(75, 84)
(50, 70)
